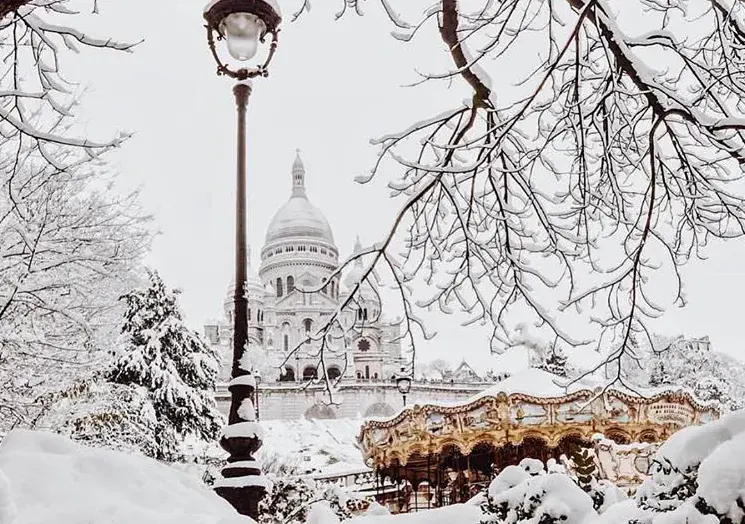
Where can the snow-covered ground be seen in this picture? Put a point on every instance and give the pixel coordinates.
(46, 478)
(698, 478)
(312, 446)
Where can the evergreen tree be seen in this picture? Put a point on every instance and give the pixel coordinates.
(555, 362)
(172, 363)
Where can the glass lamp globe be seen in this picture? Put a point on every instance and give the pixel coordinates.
(404, 384)
(242, 32)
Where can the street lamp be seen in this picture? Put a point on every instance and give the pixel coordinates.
(244, 25)
(257, 378)
(403, 383)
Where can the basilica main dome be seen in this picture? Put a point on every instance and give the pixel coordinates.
(298, 217)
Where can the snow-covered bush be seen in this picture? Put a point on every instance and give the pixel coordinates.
(533, 494)
(290, 499)
(528, 494)
(103, 414)
(699, 471)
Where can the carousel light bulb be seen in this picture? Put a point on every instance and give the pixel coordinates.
(242, 32)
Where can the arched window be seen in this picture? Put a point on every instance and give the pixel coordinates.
(310, 373)
(308, 325)
(359, 375)
(359, 314)
(279, 287)
(333, 372)
(367, 371)
(288, 375)
(375, 376)
(333, 288)
(286, 342)
(364, 316)
(290, 284)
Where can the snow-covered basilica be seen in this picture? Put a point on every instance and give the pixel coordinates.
(299, 251)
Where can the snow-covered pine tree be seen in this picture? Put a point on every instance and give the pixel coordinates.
(176, 367)
(555, 362)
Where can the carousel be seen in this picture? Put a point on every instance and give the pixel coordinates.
(434, 455)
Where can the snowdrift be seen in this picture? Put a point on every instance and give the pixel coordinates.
(458, 513)
(46, 478)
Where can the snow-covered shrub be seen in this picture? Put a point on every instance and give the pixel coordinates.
(290, 499)
(528, 494)
(582, 468)
(103, 414)
(699, 471)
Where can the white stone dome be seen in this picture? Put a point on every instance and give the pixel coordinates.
(298, 217)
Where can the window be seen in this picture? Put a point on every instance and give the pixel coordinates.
(367, 372)
(286, 342)
(359, 374)
(333, 288)
(324, 290)
(334, 372)
(363, 345)
(310, 373)
(279, 287)
(313, 249)
(323, 251)
(288, 375)
(260, 316)
(290, 284)
(375, 376)
(364, 314)
(308, 324)
(249, 314)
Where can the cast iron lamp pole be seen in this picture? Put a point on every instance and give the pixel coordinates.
(243, 24)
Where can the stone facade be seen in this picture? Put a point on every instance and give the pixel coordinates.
(353, 399)
(299, 253)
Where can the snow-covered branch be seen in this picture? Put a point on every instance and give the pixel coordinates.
(566, 193)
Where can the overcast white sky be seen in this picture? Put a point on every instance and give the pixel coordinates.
(333, 86)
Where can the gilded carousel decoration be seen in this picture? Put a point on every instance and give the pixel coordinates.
(451, 452)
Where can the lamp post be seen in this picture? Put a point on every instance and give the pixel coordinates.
(243, 25)
(403, 383)
(257, 379)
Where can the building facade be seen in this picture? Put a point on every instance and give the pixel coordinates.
(293, 296)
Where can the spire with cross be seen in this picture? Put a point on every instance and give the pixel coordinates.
(298, 176)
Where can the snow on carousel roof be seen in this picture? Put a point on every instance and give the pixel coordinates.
(537, 383)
